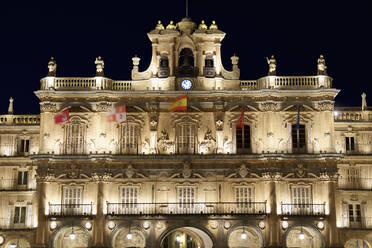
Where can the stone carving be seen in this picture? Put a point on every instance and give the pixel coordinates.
(324, 106)
(103, 106)
(202, 26)
(129, 171)
(186, 172)
(213, 224)
(243, 171)
(73, 172)
(300, 171)
(273, 175)
(364, 101)
(209, 142)
(99, 66)
(159, 26)
(153, 124)
(213, 26)
(219, 125)
(171, 26)
(322, 68)
(10, 109)
(164, 144)
(52, 67)
(269, 106)
(272, 66)
(48, 107)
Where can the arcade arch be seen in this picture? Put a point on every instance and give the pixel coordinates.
(17, 242)
(132, 238)
(303, 236)
(188, 237)
(71, 237)
(354, 243)
(245, 237)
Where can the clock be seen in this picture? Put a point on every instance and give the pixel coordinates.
(186, 84)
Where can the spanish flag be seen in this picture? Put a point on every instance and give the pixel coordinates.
(179, 103)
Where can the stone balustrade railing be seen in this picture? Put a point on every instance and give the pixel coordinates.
(122, 86)
(19, 119)
(248, 85)
(341, 115)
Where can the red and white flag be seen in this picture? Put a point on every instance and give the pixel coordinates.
(117, 114)
(62, 117)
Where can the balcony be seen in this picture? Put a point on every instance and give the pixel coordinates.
(70, 209)
(206, 208)
(355, 183)
(7, 224)
(355, 223)
(306, 209)
(12, 185)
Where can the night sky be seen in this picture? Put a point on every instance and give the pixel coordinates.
(75, 34)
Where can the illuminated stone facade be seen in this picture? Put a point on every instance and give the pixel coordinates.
(297, 174)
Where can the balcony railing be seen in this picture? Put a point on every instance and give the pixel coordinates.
(70, 209)
(248, 85)
(215, 208)
(303, 209)
(7, 224)
(20, 120)
(12, 185)
(355, 223)
(355, 183)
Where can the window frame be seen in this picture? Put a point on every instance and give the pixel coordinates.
(297, 145)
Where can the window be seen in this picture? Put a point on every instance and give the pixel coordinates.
(25, 146)
(243, 137)
(129, 134)
(186, 138)
(243, 196)
(349, 141)
(298, 138)
(75, 137)
(353, 175)
(72, 195)
(186, 197)
(354, 213)
(129, 196)
(22, 177)
(19, 215)
(301, 200)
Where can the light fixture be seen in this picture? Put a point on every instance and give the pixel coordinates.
(111, 225)
(244, 234)
(72, 235)
(179, 238)
(53, 225)
(320, 225)
(335, 113)
(12, 245)
(2, 239)
(302, 235)
(285, 224)
(129, 235)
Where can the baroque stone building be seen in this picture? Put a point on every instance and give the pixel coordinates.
(297, 173)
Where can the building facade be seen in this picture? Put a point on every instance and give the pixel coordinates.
(250, 163)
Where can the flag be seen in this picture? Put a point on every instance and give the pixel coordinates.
(62, 117)
(179, 103)
(117, 114)
(239, 124)
(298, 118)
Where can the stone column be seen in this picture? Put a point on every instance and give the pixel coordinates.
(99, 222)
(333, 233)
(273, 225)
(41, 219)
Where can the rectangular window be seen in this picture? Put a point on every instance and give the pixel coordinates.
(22, 177)
(186, 197)
(354, 213)
(186, 138)
(350, 145)
(75, 137)
(129, 196)
(301, 200)
(19, 215)
(243, 137)
(129, 135)
(72, 196)
(298, 138)
(353, 175)
(243, 196)
(25, 146)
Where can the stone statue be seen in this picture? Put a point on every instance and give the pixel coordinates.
(10, 109)
(203, 26)
(159, 26)
(99, 66)
(322, 68)
(171, 26)
(213, 26)
(272, 65)
(52, 66)
(364, 101)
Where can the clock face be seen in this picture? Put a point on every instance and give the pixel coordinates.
(186, 84)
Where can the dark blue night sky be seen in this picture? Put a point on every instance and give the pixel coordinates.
(75, 34)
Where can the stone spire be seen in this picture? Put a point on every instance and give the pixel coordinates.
(10, 109)
(364, 101)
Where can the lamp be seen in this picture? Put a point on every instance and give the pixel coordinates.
(72, 235)
(129, 235)
(243, 235)
(302, 235)
(178, 238)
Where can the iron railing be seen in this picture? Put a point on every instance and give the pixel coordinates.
(12, 185)
(70, 209)
(356, 222)
(7, 224)
(215, 208)
(355, 183)
(303, 209)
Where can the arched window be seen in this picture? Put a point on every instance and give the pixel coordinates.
(163, 66)
(75, 136)
(128, 137)
(186, 63)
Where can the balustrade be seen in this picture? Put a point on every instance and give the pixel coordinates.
(355, 183)
(355, 222)
(7, 224)
(12, 185)
(70, 209)
(303, 209)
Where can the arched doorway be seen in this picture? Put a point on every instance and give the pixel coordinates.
(304, 237)
(355, 243)
(71, 237)
(132, 238)
(186, 237)
(245, 237)
(17, 243)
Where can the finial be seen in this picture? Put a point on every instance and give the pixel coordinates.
(322, 68)
(364, 101)
(202, 25)
(10, 109)
(213, 26)
(52, 67)
(171, 26)
(99, 66)
(159, 26)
